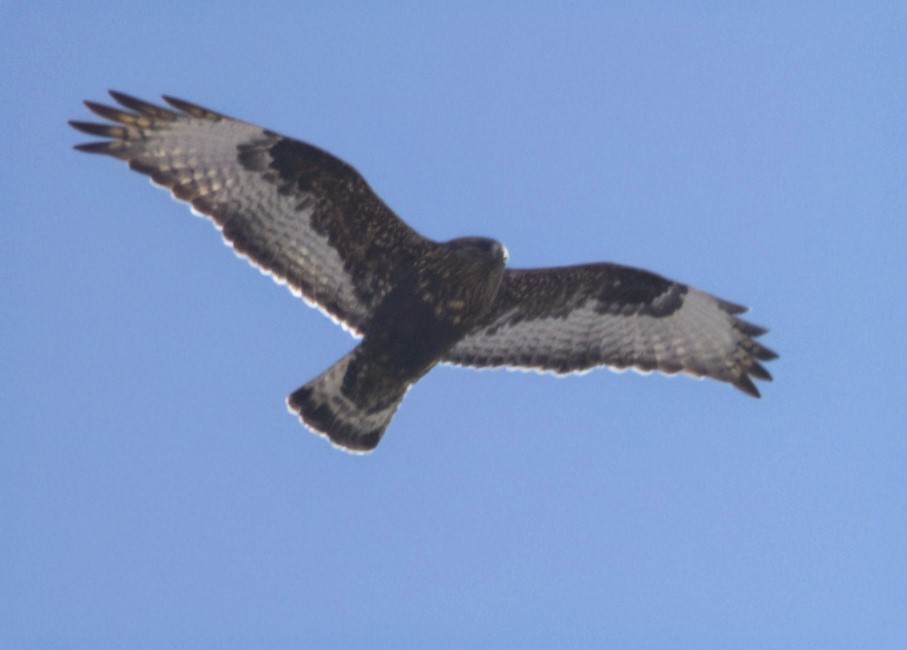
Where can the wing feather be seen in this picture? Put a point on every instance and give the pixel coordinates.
(572, 319)
(296, 212)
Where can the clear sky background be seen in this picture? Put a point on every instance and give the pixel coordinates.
(155, 492)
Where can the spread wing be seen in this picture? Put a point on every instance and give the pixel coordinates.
(572, 319)
(296, 212)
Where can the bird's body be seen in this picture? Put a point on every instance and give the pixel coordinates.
(313, 223)
(413, 327)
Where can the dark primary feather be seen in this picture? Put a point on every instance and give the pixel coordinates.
(292, 209)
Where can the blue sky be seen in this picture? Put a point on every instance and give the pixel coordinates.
(155, 492)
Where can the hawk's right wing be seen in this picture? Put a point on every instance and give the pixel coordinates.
(298, 213)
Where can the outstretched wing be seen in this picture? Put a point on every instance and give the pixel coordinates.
(572, 319)
(298, 213)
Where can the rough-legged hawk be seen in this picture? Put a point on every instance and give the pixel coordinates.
(313, 223)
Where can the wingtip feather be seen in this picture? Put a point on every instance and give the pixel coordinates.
(101, 130)
(194, 110)
(94, 147)
(745, 384)
(142, 107)
(758, 371)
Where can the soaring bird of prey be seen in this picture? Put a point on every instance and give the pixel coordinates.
(313, 223)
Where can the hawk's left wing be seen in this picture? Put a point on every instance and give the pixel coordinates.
(573, 319)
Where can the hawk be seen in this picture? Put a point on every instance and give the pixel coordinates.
(313, 223)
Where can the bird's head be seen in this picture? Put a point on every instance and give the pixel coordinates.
(472, 268)
(497, 252)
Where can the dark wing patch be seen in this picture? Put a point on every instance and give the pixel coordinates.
(572, 319)
(298, 213)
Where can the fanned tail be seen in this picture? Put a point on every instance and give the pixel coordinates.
(326, 409)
